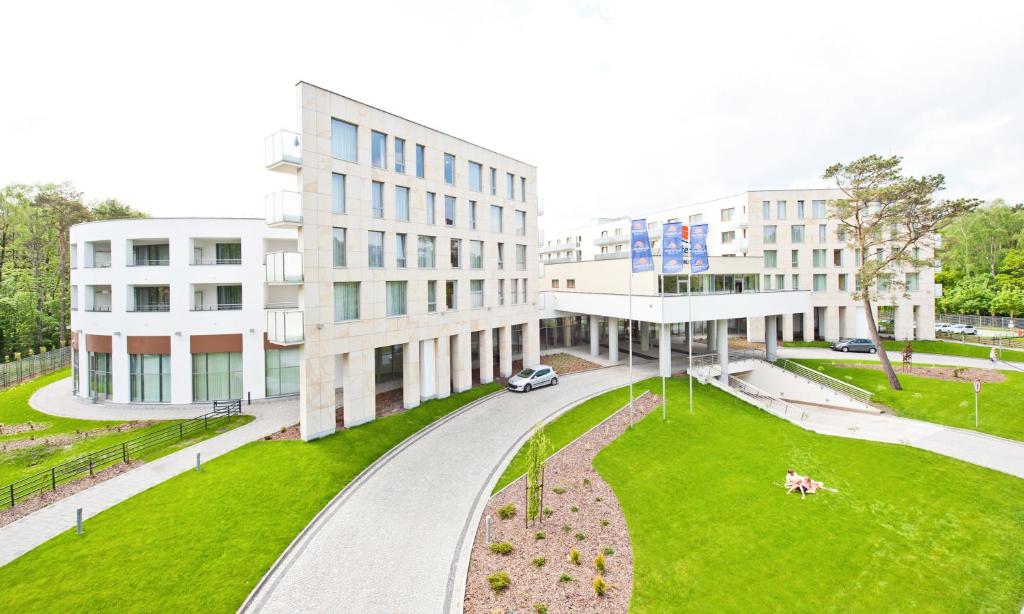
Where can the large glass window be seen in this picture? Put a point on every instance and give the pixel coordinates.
(400, 250)
(476, 254)
(451, 294)
(476, 293)
(501, 255)
(431, 296)
(520, 223)
(346, 300)
(797, 233)
(379, 149)
(456, 253)
(100, 381)
(389, 363)
(780, 210)
(151, 255)
(425, 252)
(727, 214)
(420, 155)
(338, 247)
(431, 210)
(770, 234)
(343, 140)
(510, 186)
(375, 249)
(818, 208)
(377, 194)
(475, 176)
(820, 282)
(282, 372)
(229, 298)
(150, 378)
(229, 253)
(770, 258)
(800, 212)
(152, 298)
(217, 376)
(521, 257)
(449, 210)
(337, 193)
(399, 155)
(822, 233)
(449, 169)
(912, 283)
(496, 218)
(819, 258)
(396, 298)
(766, 210)
(794, 258)
(401, 203)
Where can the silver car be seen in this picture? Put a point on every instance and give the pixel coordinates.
(534, 377)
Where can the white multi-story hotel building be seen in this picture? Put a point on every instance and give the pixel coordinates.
(418, 258)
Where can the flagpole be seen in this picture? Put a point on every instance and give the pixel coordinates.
(662, 335)
(630, 332)
(689, 329)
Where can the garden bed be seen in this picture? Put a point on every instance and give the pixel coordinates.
(950, 374)
(596, 527)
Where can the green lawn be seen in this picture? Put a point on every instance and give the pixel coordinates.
(948, 348)
(201, 541)
(578, 420)
(14, 409)
(909, 531)
(944, 402)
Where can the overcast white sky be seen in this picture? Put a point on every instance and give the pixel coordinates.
(627, 106)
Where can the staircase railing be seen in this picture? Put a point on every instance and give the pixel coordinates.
(826, 381)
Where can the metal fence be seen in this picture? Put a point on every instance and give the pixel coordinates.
(30, 367)
(90, 463)
(987, 321)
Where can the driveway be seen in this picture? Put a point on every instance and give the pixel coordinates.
(398, 538)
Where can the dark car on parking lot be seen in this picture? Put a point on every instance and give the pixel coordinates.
(856, 344)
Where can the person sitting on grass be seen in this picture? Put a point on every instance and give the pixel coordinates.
(804, 484)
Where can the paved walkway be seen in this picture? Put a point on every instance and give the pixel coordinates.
(897, 358)
(26, 533)
(56, 399)
(398, 538)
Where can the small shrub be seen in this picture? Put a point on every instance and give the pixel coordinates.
(507, 511)
(499, 581)
(604, 522)
(574, 556)
(539, 535)
(564, 578)
(586, 482)
(581, 536)
(566, 528)
(539, 562)
(600, 586)
(608, 552)
(599, 563)
(599, 499)
(540, 608)
(574, 509)
(502, 548)
(558, 490)
(548, 512)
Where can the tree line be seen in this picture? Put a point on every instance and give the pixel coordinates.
(35, 227)
(982, 259)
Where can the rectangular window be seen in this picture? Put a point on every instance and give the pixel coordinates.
(401, 203)
(524, 291)
(476, 293)
(400, 254)
(431, 211)
(337, 193)
(449, 210)
(780, 210)
(728, 237)
(857, 260)
(399, 155)
(697, 218)
(431, 296)
(282, 372)
(472, 215)
(150, 378)
(343, 140)
(767, 282)
(770, 234)
(912, 282)
(449, 169)
(817, 208)
(841, 233)
(820, 282)
(570, 283)
(522, 189)
(217, 376)
(515, 291)
(837, 257)
(727, 214)
(794, 258)
(420, 155)
(495, 218)
(795, 281)
(822, 233)
(520, 257)
(796, 233)
(819, 258)
(510, 186)
(494, 181)
(451, 299)
(338, 249)
(770, 258)
(501, 256)
(346, 301)
(780, 281)
(476, 254)
(425, 252)
(766, 209)
(800, 213)
(476, 176)
(396, 298)
(554, 283)
(501, 292)
(375, 249)
(378, 199)
(379, 149)
(229, 297)
(456, 253)
(520, 223)
(842, 282)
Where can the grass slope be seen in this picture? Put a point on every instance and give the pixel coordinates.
(947, 348)
(201, 541)
(14, 409)
(944, 402)
(712, 531)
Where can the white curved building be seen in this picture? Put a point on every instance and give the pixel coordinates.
(172, 310)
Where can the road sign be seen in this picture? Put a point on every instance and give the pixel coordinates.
(977, 386)
(977, 391)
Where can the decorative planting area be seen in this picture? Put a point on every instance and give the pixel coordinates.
(577, 556)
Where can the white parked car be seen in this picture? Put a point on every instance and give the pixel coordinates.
(963, 329)
(943, 327)
(533, 377)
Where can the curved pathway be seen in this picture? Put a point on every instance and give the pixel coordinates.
(56, 399)
(398, 538)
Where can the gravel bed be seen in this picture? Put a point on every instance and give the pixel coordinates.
(598, 518)
(951, 374)
(66, 439)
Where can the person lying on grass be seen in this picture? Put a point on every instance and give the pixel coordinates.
(804, 484)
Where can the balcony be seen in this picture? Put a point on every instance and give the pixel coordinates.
(100, 260)
(284, 209)
(153, 307)
(611, 255)
(284, 268)
(611, 240)
(282, 151)
(284, 326)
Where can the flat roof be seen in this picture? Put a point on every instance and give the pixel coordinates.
(151, 219)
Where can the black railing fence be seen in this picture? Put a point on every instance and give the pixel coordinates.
(30, 367)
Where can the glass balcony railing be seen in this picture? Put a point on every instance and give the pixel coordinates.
(284, 268)
(284, 209)
(284, 326)
(283, 151)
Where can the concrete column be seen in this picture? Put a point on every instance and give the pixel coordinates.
(120, 365)
(809, 326)
(181, 369)
(411, 374)
(712, 335)
(462, 362)
(443, 371)
(595, 336)
(613, 339)
(505, 351)
(645, 336)
(531, 343)
(832, 331)
(770, 340)
(360, 398)
(428, 369)
(316, 407)
(665, 350)
(787, 327)
(722, 341)
(903, 322)
(568, 331)
(486, 356)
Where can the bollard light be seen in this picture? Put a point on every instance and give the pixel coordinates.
(198, 463)
(487, 536)
(78, 521)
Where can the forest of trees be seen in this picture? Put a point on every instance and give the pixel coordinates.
(983, 262)
(35, 222)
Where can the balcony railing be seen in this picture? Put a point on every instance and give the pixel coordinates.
(284, 268)
(215, 261)
(153, 307)
(611, 256)
(612, 240)
(284, 209)
(101, 260)
(218, 307)
(284, 327)
(99, 309)
(149, 262)
(282, 151)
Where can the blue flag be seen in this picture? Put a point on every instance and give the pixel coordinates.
(674, 247)
(640, 247)
(699, 261)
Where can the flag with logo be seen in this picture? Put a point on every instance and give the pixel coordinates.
(699, 261)
(640, 247)
(675, 247)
